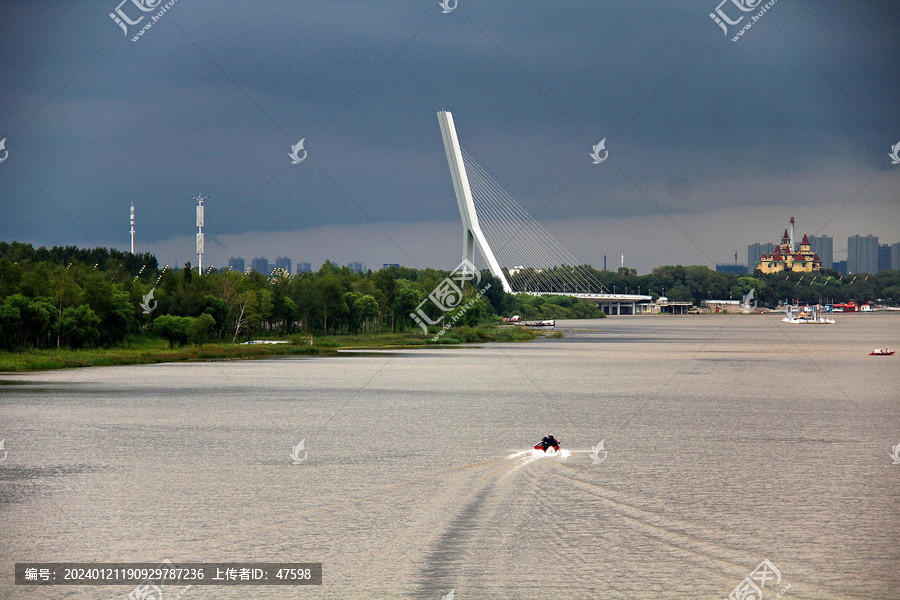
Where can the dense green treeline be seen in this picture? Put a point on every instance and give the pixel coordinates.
(696, 283)
(84, 298)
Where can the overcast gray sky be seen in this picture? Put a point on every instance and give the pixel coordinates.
(713, 144)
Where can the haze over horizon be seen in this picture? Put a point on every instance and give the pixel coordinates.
(713, 144)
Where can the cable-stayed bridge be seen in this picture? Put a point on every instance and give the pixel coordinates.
(518, 251)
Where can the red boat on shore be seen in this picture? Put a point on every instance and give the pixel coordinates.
(846, 308)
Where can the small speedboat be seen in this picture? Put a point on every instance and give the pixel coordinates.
(545, 447)
(882, 352)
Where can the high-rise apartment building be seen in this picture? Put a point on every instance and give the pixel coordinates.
(260, 265)
(840, 266)
(236, 264)
(823, 245)
(304, 267)
(862, 254)
(754, 251)
(283, 263)
(884, 257)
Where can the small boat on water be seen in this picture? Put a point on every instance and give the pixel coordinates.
(881, 352)
(812, 317)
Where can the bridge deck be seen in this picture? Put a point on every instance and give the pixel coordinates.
(604, 297)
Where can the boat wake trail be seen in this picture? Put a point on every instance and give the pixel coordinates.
(533, 455)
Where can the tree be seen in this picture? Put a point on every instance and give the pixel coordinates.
(364, 308)
(331, 302)
(10, 275)
(27, 319)
(199, 327)
(385, 282)
(680, 293)
(243, 311)
(174, 329)
(217, 308)
(78, 327)
(40, 317)
(494, 294)
(66, 293)
(113, 305)
(308, 301)
(10, 323)
(348, 311)
(284, 312)
(407, 301)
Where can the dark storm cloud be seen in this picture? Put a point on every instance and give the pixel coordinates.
(213, 96)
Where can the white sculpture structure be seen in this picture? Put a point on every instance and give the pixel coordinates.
(472, 233)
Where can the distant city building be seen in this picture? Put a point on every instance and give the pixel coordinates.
(355, 266)
(823, 245)
(304, 267)
(786, 258)
(862, 254)
(895, 256)
(389, 265)
(260, 265)
(884, 257)
(840, 266)
(729, 268)
(236, 264)
(754, 251)
(283, 263)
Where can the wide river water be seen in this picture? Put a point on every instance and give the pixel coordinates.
(727, 440)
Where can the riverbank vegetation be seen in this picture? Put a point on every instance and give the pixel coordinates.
(104, 306)
(697, 283)
(75, 303)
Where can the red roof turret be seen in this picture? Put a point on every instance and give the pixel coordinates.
(785, 236)
(805, 240)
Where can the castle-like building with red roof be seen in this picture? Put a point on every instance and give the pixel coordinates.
(785, 258)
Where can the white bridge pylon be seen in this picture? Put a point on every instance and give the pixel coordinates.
(533, 262)
(472, 233)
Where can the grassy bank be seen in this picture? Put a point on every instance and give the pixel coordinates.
(146, 351)
(137, 353)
